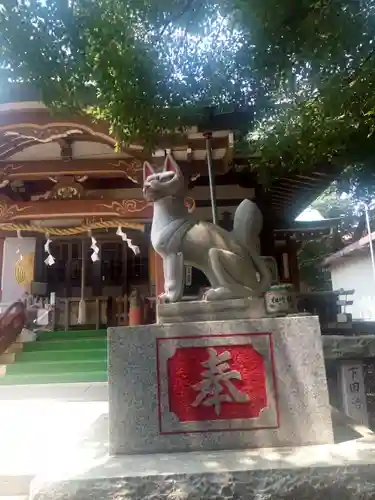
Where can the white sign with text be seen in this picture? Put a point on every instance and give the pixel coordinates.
(353, 392)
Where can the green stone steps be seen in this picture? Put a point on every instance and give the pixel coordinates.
(57, 367)
(60, 357)
(71, 335)
(63, 345)
(55, 378)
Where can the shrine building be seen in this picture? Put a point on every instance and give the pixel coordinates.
(67, 195)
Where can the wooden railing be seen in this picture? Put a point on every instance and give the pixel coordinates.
(100, 312)
(11, 323)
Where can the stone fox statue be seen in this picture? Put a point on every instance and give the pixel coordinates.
(230, 260)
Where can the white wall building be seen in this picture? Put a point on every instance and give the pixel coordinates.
(351, 268)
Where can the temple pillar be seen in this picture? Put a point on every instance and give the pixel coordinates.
(96, 271)
(267, 240)
(40, 268)
(2, 240)
(156, 272)
(292, 247)
(283, 260)
(159, 274)
(288, 263)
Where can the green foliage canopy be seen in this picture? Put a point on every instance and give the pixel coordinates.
(327, 108)
(143, 66)
(148, 66)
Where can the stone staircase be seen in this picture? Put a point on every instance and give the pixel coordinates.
(57, 357)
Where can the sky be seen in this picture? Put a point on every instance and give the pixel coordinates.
(310, 214)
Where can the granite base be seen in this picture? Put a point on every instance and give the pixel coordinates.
(342, 471)
(276, 364)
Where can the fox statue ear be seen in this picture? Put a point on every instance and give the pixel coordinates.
(147, 170)
(170, 165)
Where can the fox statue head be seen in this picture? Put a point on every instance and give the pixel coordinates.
(168, 182)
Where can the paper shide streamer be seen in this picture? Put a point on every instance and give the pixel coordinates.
(124, 237)
(18, 251)
(50, 260)
(95, 249)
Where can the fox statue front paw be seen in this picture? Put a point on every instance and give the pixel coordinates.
(164, 298)
(227, 293)
(217, 294)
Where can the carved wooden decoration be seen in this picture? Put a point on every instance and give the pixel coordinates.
(66, 188)
(52, 131)
(72, 208)
(126, 206)
(25, 129)
(10, 209)
(133, 169)
(38, 170)
(135, 209)
(66, 149)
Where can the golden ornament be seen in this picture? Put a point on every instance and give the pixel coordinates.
(24, 269)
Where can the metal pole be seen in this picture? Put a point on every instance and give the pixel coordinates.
(370, 240)
(83, 270)
(211, 179)
(82, 303)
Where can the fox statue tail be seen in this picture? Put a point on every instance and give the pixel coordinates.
(248, 222)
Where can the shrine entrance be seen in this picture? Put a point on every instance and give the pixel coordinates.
(103, 285)
(116, 271)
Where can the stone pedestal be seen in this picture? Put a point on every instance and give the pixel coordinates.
(248, 308)
(339, 471)
(190, 477)
(216, 385)
(335, 472)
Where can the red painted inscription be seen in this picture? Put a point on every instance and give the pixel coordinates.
(216, 383)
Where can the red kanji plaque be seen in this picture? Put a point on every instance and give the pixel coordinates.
(221, 382)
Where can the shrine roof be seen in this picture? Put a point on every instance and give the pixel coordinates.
(290, 194)
(25, 123)
(307, 230)
(349, 250)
